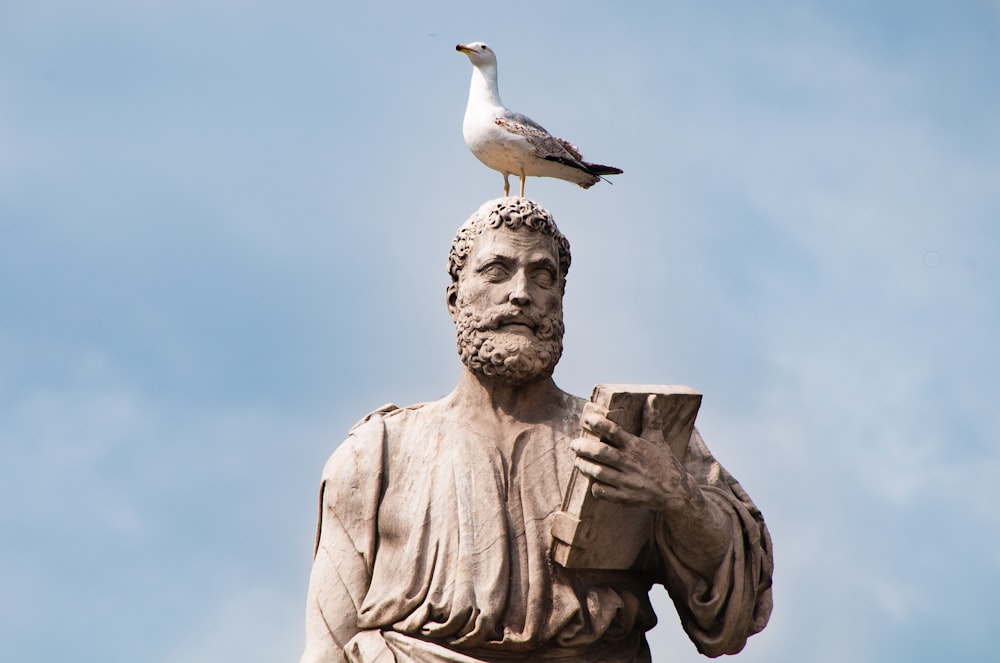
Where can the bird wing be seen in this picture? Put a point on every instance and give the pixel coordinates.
(543, 144)
(522, 119)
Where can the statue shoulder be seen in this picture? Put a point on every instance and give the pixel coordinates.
(383, 422)
(363, 446)
(380, 415)
(377, 413)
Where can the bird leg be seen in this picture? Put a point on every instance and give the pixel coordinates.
(522, 184)
(506, 185)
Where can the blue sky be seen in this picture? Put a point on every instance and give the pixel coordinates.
(223, 235)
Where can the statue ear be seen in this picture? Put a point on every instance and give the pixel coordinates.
(452, 298)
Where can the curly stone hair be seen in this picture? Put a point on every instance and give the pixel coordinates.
(513, 213)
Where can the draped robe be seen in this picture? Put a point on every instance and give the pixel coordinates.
(434, 545)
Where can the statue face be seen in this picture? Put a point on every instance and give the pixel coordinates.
(507, 306)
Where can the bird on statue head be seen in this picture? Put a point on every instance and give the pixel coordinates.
(513, 143)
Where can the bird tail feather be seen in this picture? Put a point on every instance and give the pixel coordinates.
(593, 169)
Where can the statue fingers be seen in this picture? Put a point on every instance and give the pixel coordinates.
(622, 494)
(598, 472)
(611, 493)
(606, 429)
(597, 451)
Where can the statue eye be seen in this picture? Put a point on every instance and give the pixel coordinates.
(494, 271)
(544, 277)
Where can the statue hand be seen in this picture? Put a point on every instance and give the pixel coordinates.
(639, 470)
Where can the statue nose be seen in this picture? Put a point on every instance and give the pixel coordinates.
(519, 293)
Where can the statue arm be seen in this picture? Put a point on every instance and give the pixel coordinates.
(717, 559)
(713, 547)
(345, 544)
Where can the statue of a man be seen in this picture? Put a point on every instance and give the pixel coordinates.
(435, 519)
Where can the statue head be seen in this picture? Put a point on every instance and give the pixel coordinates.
(513, 213)
(508, 266)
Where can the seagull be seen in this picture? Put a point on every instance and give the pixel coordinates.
(513, 143)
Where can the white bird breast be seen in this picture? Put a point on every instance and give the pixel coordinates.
(497, 148)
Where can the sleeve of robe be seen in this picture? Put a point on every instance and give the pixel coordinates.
(721, 612)
(345, 542)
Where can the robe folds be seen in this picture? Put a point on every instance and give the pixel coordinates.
(434, 545)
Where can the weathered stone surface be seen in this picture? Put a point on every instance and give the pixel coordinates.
(435, 534)
(594, 533)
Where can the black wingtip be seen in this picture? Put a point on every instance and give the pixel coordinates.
(598, 169)
(594, 169)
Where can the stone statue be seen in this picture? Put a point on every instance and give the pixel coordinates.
(434, 540)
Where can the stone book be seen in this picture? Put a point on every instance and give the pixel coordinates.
(593, 533)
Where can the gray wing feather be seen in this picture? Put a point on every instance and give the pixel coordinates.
(521, 119)
(545, 145)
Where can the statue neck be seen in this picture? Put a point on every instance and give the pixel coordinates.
(504, 402)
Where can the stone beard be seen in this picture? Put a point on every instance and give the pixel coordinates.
(488, 351)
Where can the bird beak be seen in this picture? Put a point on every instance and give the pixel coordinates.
(463, 48)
